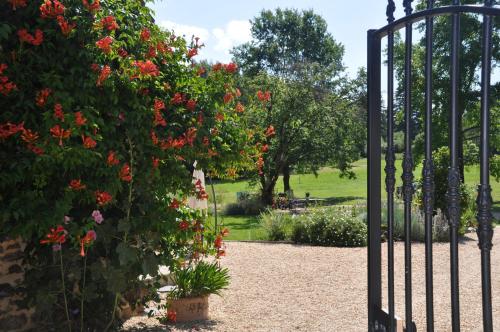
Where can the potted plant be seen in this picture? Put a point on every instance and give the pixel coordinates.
(188, 300)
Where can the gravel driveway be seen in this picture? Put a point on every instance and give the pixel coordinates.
(284, 287)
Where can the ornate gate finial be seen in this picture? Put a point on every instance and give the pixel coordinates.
(391, 7)
(407, 5)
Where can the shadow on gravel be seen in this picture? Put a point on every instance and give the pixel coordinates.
(208, 325)
(468, 237)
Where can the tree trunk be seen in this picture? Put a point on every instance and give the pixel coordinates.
(267, 191)
(267, 194)
(286, 178)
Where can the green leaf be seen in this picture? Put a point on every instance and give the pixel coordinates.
(150, 265)
(126, 254)
(116, 281)
(123, 226)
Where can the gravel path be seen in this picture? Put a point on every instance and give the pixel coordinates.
(284, 287)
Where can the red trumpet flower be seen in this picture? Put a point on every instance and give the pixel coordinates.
(55, 236)
(76, 185)
(102, 197)
(58, 132)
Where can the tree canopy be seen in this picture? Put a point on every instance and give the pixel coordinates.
(295, 59)
(286, 40)
(469, 88)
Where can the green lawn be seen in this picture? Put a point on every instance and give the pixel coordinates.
(243, 228)
(327, 185)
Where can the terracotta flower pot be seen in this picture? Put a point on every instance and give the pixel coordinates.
(189, 309)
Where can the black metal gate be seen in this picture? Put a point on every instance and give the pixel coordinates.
(379, 320)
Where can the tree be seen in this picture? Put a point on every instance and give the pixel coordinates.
(286, 40)
(297, 62)
(355, 93)
(469, 89)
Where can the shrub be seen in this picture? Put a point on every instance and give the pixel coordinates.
(330, 227)
(300, 231)
(249, 205)
(233, 209)
(277, 225)
(103, 114)
(440, 228)
(399, 141)
(441, 161)
(467, 202)
(495, 167)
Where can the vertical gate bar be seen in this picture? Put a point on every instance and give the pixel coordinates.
(408, 169)
(390, 179)
(390, 170)
(453, 173)
(374, 178)
(428, 172)
(484, 200)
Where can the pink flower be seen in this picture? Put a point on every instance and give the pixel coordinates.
(98, 218)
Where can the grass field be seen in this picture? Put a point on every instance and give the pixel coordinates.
(328, 184)
(244, 228)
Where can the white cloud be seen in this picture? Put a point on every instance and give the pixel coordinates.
(235, 33)
(219, 41)
(187, 30)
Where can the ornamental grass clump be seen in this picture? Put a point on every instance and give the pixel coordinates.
(200, 279)
(278, 225)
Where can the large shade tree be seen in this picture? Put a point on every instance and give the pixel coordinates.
(296, 60)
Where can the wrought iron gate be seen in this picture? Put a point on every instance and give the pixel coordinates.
(379, 320)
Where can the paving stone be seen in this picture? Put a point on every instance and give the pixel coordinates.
(15, 269)
(13, 322)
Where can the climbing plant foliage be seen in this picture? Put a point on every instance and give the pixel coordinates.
(102, 116)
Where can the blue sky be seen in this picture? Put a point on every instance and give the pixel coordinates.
(222, 24)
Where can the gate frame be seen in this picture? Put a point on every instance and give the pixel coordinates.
(379, 320)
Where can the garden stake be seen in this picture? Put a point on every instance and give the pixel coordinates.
(64, 291)
(83, 290)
